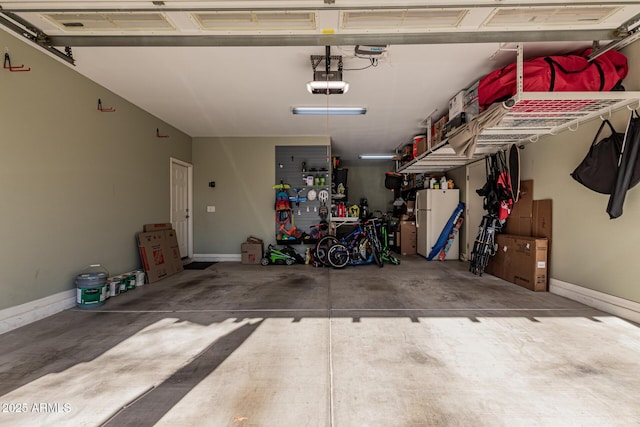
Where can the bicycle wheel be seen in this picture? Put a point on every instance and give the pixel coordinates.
(479, 248)
(322, 248)
(338, 256)
(377, 256)
(376, 247)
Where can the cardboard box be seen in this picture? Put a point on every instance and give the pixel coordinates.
(520, 219)
(471, 106)
(521, 260)
(455, 122)
(456, 104)
(173, 251)
(541, 218)
(252, 251)
(408, 238)
(437, 133)
(407, 152)
(498, 263)
(157, 227)
(542, 225)
(153, 255)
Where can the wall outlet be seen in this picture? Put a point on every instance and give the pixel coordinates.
(211, 209)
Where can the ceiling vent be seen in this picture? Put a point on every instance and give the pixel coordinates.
(401, 19)
(558, 15)
(110, 21)
(251, 20)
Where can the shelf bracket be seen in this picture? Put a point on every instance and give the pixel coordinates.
(519, 71)
(104, 110)
(13, 68)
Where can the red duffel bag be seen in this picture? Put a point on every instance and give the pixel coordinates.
(561, 73)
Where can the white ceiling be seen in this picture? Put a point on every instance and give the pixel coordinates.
(231, 88)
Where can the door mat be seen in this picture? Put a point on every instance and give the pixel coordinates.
(198, 265)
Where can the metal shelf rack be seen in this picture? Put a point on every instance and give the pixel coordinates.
(529, 116)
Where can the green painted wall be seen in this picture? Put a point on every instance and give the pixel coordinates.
(588, 249)
(367, 181)
(244, 172)
(75, 184)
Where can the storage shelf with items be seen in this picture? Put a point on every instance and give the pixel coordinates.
(521, 120)
(339, 186)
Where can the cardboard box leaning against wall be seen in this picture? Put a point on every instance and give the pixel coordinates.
(157, 227)
(519, 222)
(159, 251)
(173, 250)
(152, 249)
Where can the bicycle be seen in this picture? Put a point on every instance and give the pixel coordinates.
(387, 256)
(484, 246)
(361, 246)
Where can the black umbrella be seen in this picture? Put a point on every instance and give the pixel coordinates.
(626, 164)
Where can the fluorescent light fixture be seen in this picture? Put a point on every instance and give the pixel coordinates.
(376, 156)
(335, 111)
(328, 87)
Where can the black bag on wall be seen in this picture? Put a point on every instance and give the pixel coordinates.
(628, 171)
(599, 168)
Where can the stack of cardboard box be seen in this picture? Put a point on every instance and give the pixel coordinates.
(524, 245)
(406, 237)
(159, 251)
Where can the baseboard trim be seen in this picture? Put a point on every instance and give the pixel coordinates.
(626, 309)
(217, 257)
(14, 317)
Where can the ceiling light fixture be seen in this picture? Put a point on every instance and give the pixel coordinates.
(327, 82)
(333, 111)
(327, 86)
(376, 156)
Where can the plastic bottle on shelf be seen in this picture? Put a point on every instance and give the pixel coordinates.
(443, 183)
(432, 183)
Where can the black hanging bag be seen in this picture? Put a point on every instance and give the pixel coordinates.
(599, 168)
(628, 169)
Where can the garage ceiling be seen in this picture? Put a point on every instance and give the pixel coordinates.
(235, 68)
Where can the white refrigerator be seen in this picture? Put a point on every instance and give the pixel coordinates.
(433, 210)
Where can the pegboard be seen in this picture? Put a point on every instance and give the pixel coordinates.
(290, 170)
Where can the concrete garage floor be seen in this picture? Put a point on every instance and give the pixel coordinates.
(420, 344)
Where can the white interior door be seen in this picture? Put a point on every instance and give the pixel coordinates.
(181, 205)
(476, 178)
